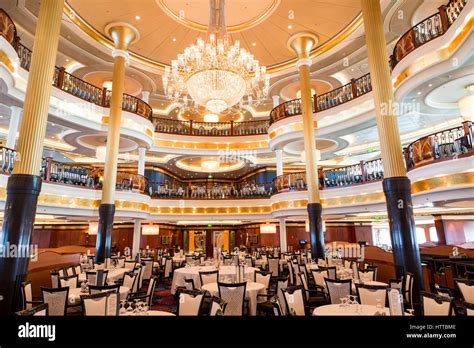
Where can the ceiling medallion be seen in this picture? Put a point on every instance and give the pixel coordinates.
(216, 74)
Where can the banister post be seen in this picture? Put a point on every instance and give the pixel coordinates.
(190, 127)
(362, 170)
(61, 78)
(443, 14)
(354, 88)
(104, 97)
(231, 127)
(47, 174)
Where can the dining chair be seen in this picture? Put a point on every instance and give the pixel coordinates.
(408, 290)
(395, 301)
(54, 279)
(27, 295)
(190, 302)
(146, 296)
(332, 274)
(130, 264)
(57, 299)
(436, 305)
(274, 266)
(263, 278)
(37, 311)
(248, 261)
(338, 289)
(98, 277)
(147, 268)
(466, 288)
(95, 304)
(396, 283)
(469, 308)
(129, 281)
(208, 277)
(371, 294)
(70, 271)
(95, 289)
(217, 307)
(77, 269)
(234, 295)
(189, 284)
(294, 301)
(70, 281)
(367, 275)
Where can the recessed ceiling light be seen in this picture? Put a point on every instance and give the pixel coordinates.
(1, 116)
(414, 99)
(254, 44)
(174, 39)
(138, 18)
(419, 93)
(430, 85)
(290, 27)
(67, 59)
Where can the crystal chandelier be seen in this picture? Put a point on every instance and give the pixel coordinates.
(216, 74)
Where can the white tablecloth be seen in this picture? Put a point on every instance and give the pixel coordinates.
(183, 273)
(75, 294)
(113, 275)
(150, 313)
(251, 292)
(336, 309)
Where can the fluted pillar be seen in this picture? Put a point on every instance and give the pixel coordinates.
(302, 43)
(15, 116)
(279, 162)
(122, 35)
(141, 160)
(396, 185)
(24, 185)
(137, 234)
(282, 230)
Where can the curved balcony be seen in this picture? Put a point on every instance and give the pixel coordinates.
(193, 128)
(326, 101)
(441, 146)
(427, 30)
(70, 83)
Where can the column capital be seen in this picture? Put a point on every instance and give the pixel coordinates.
(303, 61)
(302, 43)
(121, 53)
(123, 34)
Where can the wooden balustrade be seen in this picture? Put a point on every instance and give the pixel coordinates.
(231, 128)
(428, 29)
(68, 82)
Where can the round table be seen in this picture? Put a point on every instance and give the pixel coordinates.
(251, 291)
(335, 309)
(75, 295)
(113, 275)
(183, 273)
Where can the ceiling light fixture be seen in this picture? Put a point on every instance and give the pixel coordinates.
(211, 118)
(210, 165)
(216, 74)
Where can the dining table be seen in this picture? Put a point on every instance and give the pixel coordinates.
(225, 273)
(252, 289)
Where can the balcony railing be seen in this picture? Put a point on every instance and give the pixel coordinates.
(70, 83)
(164, 125)
(326, 101)
(180, 190)
(440, 146)
(428, 29)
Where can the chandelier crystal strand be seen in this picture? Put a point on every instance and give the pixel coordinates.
(217, 75)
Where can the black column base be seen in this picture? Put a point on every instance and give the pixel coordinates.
(316, 233)
(406, 253)
(104, 232)
(20, 210)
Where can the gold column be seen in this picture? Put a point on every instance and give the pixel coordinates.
(302, 43)
(387, 123)
(396, 185)
(38, 90)
(123, 35)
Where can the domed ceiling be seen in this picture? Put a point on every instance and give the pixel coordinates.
(167, 27)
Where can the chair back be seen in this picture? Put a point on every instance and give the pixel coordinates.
(54, 279)
(274, 266)
(371, 294)
(295, 301)
(282, 283)
(121, 262)
(129, 280)
(95, 289)
(168, 267)
(189, 284)
(57, 299)
(248, 261)
(147, 269)
(95, 304)
(77, 269)
(27, 294)
(466, 288)
(331, 272)
(70, 271)
(263, 278)
(355, 271)
(234, 296)
(338, 289)
(130, 264)
(347, 263)
(208, 277)
(151, 290)
(190, 302)
(217, 306)
(436, 305)
(71, 281)
(469, 308)
(138, 284)
(395, 301)
(396, 283)
(319, 275)
(290, 271)
(61, 272)
(408, 289)
(367, 275)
